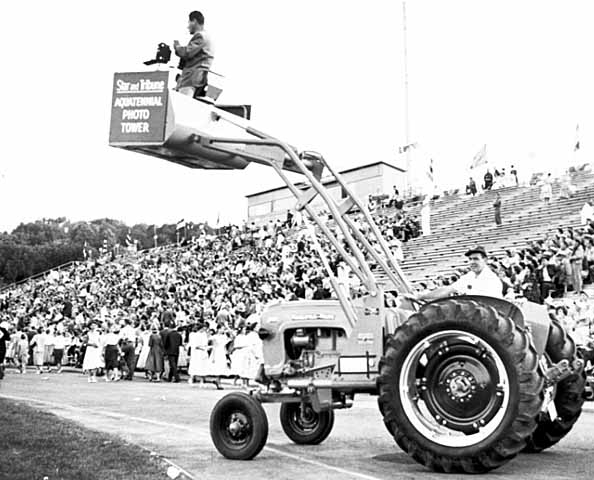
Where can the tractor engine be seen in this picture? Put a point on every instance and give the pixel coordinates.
(306, 347)
(302, 338)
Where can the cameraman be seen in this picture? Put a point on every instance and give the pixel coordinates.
(195, 58)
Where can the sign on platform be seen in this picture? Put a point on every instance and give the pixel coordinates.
(138, 108)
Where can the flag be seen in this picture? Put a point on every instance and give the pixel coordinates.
(218, 218)
(576, 147)
(181, 224)
(480, 158)
(430, 171)
(406, 148)
(129, 241)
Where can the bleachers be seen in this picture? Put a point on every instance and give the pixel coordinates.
(461, 221)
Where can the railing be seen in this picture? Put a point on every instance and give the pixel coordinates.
(39, 275)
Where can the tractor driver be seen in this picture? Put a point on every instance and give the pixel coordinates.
(481, 280)
(195, 58)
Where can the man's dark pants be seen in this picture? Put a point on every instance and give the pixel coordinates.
(130, 360)
(173, 373)
(58, 355)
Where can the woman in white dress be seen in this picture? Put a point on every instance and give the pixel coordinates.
(240, 357)
(218, 356)
(144, 348)
(256, 355)
(92, 361)
(199, 349)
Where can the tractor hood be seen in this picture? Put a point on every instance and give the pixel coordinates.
(305, 313)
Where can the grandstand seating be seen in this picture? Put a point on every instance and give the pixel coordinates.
(460, 221)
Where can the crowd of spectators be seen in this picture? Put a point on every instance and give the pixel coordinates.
(394, 217)
(545, 272)
(211, 291)
(214, 286)
(561, 262)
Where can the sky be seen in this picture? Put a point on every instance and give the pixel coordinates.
(322, 75)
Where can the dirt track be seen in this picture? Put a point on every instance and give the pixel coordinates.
(172, 419)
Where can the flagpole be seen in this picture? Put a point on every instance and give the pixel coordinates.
(406, 119)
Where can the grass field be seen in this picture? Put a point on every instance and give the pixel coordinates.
(35, 445)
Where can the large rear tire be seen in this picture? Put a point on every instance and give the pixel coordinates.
(238, 426)
(460, 387)
(305, 426)
(568, 397)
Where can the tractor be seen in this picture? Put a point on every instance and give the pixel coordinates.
(463, 383)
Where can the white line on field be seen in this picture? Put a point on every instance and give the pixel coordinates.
(322, 464)
(193, 430)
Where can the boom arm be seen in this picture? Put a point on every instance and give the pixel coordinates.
(200, 135)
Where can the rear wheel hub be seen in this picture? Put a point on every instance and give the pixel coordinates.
(456, 388)
(462, 386)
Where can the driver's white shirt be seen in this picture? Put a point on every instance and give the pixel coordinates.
(485, 283)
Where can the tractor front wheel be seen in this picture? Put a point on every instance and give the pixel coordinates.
(304, 425)
(238, 426)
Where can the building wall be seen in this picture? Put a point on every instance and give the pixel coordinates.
(391, 178)
(370, 180)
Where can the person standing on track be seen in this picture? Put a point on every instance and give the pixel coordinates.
(21, 352)
(92, 361)
(110, 343)
(38, 344)
(173, 342)
(58, 355)
(154, 361)
(4, 337)
(129, 354)
(199, 350)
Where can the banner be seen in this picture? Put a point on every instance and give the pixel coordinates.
(138, 108)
